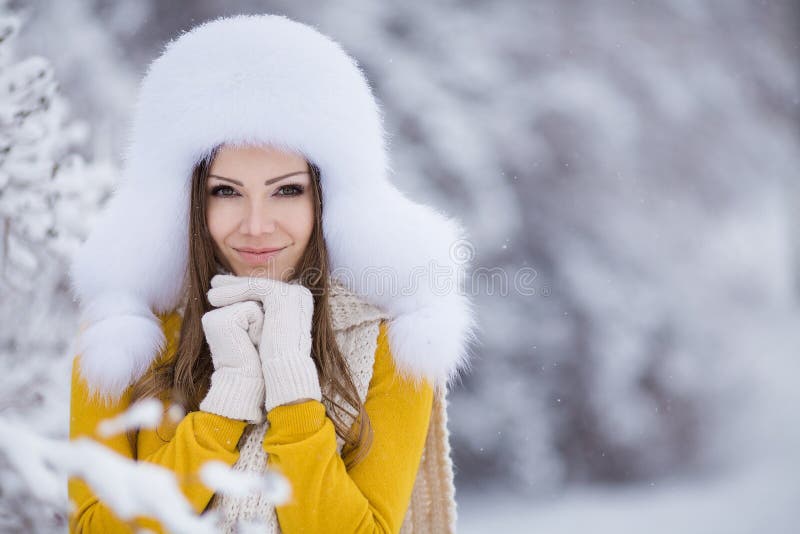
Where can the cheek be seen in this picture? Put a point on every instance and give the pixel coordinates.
(219, 220)
(305, 219)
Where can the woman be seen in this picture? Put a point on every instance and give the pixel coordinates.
(240, 271)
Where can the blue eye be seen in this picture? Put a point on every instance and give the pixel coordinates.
(296, 188)
(216, 190)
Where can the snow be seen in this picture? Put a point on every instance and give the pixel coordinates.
(755, 490)
(274, 486)
(755, 500)
(130, 488)
(145, 413)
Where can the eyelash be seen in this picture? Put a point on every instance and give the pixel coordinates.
(299, 189)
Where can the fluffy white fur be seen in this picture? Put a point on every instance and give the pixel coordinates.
(263, 79)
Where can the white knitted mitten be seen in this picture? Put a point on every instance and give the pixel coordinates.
(237, 385)
(285, 347)
(285, 344)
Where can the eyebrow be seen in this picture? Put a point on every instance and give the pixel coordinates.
(270, 181)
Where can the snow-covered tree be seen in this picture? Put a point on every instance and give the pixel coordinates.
(48, 197)
(48, 193)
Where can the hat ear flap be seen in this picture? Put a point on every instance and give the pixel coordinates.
(406, 260)
(131, 267)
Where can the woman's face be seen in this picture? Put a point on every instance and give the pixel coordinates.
(260, 198)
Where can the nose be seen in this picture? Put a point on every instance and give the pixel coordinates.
(257, 218)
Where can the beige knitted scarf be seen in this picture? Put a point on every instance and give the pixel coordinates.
(432, 508)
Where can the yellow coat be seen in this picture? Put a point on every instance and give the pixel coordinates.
(301, 443)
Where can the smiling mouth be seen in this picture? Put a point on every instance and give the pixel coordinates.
(257, 258)
(259, 250)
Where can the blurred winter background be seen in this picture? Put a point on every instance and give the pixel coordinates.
(634, 165)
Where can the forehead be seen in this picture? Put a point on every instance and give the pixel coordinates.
(256, 160)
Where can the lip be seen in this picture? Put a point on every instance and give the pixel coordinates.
(259, 250)
(255, 257)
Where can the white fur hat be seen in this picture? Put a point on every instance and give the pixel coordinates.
(264, 79)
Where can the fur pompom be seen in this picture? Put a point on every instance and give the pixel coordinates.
(422, 349)
(117, 351)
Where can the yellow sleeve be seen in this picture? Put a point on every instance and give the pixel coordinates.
(374, 495)
(182, 448)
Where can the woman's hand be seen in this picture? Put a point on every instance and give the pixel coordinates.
(237, 384)
(285, 343)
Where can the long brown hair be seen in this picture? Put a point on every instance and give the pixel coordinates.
(185, 378)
